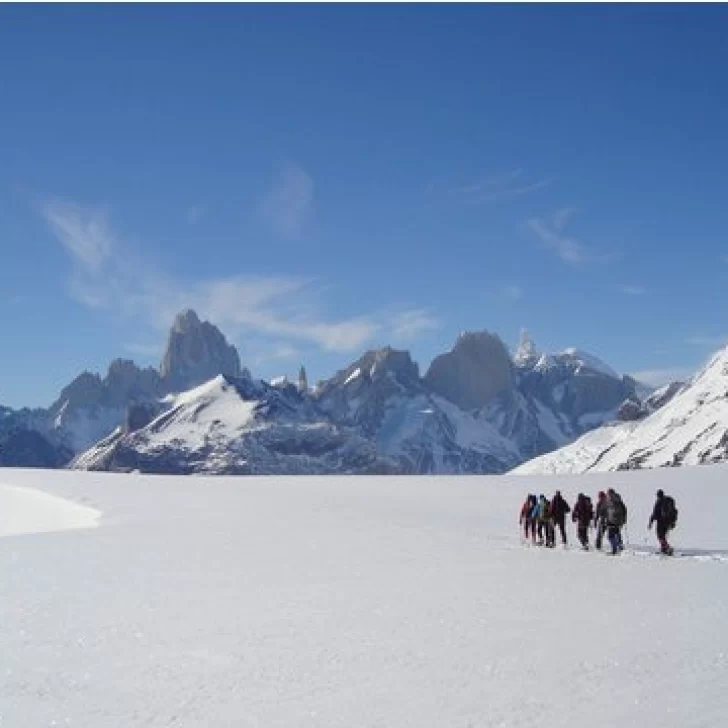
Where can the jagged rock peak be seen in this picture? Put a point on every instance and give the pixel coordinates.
(186, 321)
(526, 354)
(196, 352)
(379, 362)
(474, 372)
(86, 389)
(302, 380)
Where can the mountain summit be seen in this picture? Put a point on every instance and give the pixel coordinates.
(196, 352)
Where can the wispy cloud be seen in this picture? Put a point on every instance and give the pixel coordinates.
(710, 341)
(195, 213)
(275, 351)
(552, 233)
(412, 324)
(658, 377)
(105, 276)
(512, 293)
(629, 290)
(83, 232)
(493, 188)
(288, 203)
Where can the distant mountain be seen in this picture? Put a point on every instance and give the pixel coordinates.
(91, 406)
(476, 410)
(237, 426)
(26, 440)
(555, 398)
(682, 425)
(383, 396)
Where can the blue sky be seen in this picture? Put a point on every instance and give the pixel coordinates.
(320, 180)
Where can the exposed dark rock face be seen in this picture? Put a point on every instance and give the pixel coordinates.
(474, 372)
(196, 352)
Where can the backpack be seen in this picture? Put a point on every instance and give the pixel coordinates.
(588, 509)
(616, 511)
(544, 511)
(669, 511)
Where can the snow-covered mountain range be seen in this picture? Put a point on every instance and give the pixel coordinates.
(477, 409)
(237, 426)
(684, 425)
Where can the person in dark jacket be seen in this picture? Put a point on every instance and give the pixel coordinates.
(664, 515)
(600, 516)
(582, 515)
(559, 509)
(615, 518)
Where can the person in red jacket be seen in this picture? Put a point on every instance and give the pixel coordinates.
(528, 518)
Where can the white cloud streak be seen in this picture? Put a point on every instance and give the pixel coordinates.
(710, 341)
(84, 233)
(288, 204)
(105, 277)
(494, 188)
(552, 233)
(412, 324)
(629, 290)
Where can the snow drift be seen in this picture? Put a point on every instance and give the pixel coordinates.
(27, 510)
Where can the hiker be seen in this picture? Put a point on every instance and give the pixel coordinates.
(600, 516)
(543, 520)
(527, 520)
(615, 518)
(559, 509)
(582, 515)
(664, 514)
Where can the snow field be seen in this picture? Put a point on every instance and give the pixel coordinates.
(357, 601)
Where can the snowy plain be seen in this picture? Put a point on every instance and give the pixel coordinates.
(130, 600)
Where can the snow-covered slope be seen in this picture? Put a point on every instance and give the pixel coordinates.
(326, 602)
(690, 429)
(237, 426)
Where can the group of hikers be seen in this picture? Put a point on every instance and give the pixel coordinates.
(540, 518)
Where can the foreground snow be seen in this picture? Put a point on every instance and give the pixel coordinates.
(354, 602)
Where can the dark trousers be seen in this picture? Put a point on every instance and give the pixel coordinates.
(582, 534)
(601, 528)
(614, 535)
(561, 523)
(662, 531)
(546, 532)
